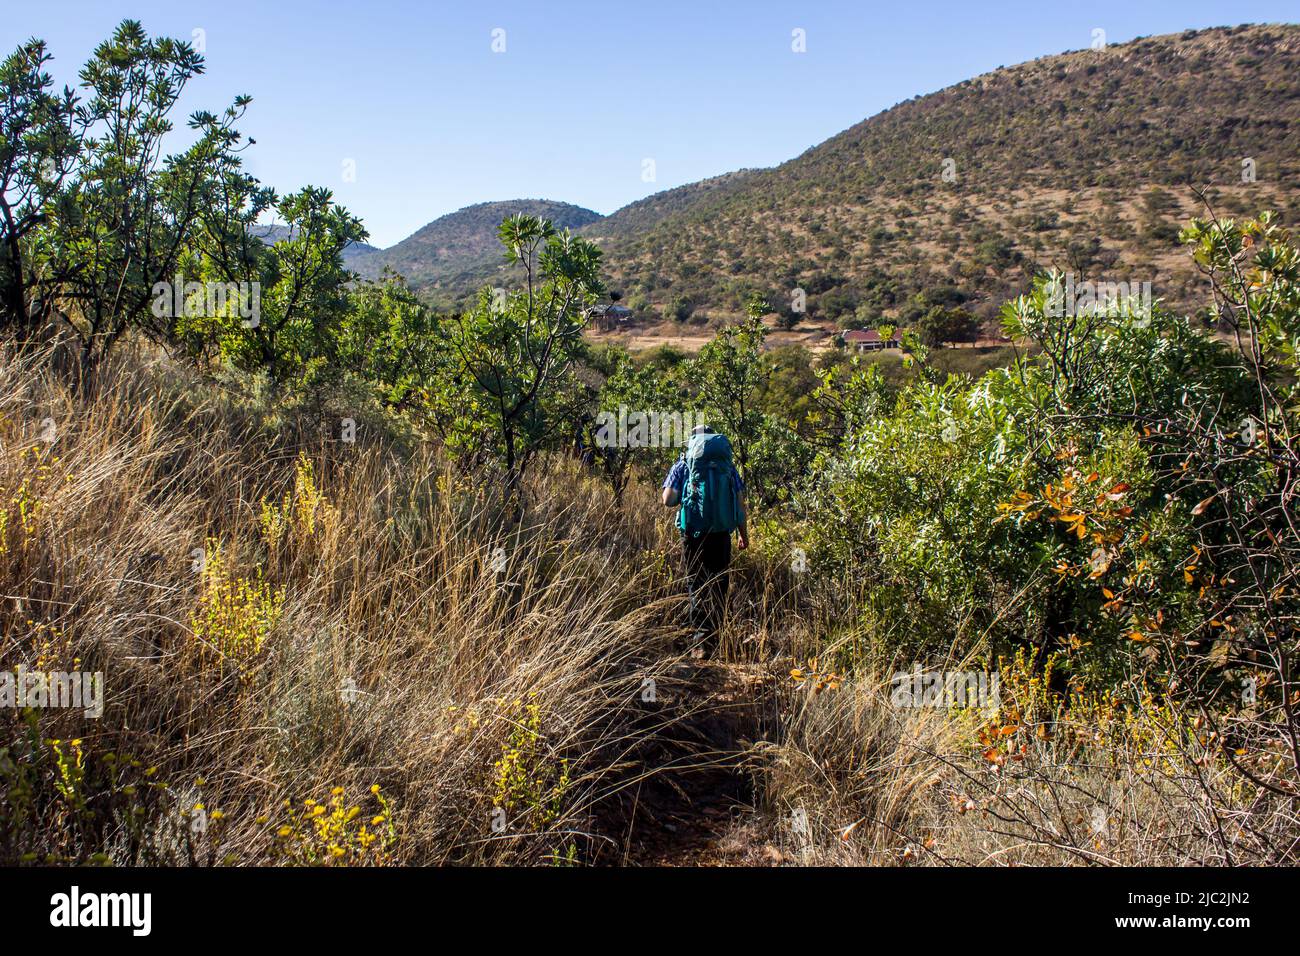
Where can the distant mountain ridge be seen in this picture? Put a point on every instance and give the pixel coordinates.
(1083, 160)
(646, 213)
(444, 249)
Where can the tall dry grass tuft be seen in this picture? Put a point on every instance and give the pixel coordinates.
(1040, 779)
(848, 781)
(286, 622)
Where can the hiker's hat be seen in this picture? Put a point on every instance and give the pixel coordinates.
(702, 430)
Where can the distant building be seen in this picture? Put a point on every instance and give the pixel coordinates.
(869, 340)
(609, 318)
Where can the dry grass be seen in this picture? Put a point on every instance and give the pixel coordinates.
(857, 780)
(282, 617)
(399, 657)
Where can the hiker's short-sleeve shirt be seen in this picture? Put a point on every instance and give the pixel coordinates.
(676, 479)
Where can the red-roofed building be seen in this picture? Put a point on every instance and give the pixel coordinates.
(869, 340)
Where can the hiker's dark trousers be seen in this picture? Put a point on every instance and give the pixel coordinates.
(705, 560)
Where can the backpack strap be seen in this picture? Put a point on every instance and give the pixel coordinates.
(685, 490)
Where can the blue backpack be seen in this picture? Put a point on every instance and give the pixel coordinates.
(709, 501)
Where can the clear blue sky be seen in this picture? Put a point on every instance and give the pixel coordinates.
(584, 92)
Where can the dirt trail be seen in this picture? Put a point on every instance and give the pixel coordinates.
(696, 805)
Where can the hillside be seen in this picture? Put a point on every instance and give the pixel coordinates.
(442, 251)
(1082, 160)
(647, 213)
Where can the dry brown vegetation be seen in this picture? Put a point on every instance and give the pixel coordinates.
(282, 617)
(388, 581)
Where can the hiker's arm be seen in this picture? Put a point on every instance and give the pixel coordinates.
(672, 490)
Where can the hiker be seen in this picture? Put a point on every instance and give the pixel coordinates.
(710, 492)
